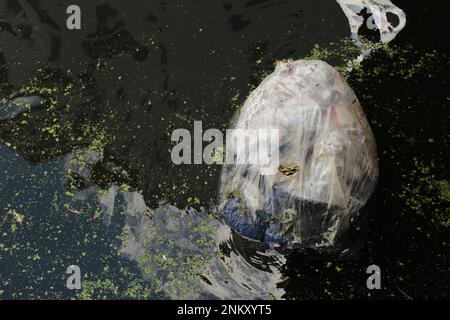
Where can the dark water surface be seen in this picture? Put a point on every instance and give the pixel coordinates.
(86, 177)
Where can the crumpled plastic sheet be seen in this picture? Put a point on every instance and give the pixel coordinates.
(328, 165)
(379, 19)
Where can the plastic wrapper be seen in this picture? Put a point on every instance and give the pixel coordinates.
(328, 165)
(378, 10)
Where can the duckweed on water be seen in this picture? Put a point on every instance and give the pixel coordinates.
(399, 122)
(426, 194)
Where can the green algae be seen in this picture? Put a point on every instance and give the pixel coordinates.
(97, 290)
(426, 194)
(421, 190)
(176, 252)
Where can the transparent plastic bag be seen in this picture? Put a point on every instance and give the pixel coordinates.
(328, 165)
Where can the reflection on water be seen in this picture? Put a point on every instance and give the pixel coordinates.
(191, 255)
(185, 253)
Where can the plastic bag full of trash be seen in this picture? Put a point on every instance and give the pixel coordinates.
(327, 158)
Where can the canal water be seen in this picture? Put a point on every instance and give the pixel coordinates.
(86, 176)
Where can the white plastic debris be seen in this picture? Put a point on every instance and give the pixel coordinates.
(379, 20)
(328, 164)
